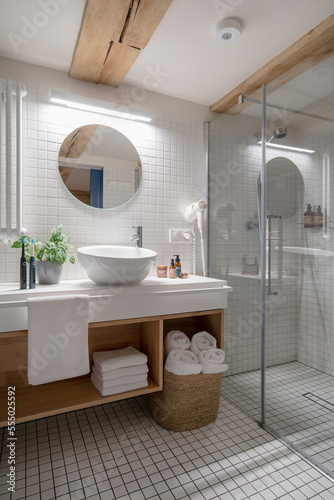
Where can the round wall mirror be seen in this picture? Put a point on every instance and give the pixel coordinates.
(285, 188)
(99, 166)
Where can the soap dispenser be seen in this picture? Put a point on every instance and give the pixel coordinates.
(318, 217)
(23, 267)
(177, 266)
(308, 217)
(32, 267)
(172, 269)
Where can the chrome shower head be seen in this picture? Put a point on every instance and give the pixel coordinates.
(279, 133)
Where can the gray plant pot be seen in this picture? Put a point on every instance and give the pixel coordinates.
(48, 273)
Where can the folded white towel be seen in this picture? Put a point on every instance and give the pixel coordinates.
(119, 358)
(57, 338)
(182, 362)
(201, 341)
(176, 340)
(109, 391)
(130, 379)
(120, 373)
(212, 361)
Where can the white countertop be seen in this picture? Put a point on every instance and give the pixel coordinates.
(152, 297)
(11, 291)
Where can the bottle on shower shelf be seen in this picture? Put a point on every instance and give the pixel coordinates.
(308, 217)
(318, 217)
(244, 264)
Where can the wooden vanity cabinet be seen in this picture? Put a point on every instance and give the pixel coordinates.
(145, 334)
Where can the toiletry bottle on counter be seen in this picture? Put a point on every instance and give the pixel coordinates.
(308, 217)
(318, 217)
(23, 267)
(162, 271)
(177, 266)
(32, 267)
(172, 273)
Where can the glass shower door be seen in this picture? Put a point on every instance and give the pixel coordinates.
(299, 383)
(282, 374)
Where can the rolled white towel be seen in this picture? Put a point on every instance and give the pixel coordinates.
(176, 340)
(201, 341)
(182, 362)
(212, 361)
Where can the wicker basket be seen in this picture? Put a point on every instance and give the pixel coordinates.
(186, 401)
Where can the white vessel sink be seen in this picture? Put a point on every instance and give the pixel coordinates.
(116, 265)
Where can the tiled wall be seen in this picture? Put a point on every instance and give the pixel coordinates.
(171, 149)
(299, 318)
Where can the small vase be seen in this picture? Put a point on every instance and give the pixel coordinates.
(48, 273)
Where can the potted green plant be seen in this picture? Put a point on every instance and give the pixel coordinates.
(50, 256)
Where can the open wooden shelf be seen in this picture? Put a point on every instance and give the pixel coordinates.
(41, 401)
(145, 334)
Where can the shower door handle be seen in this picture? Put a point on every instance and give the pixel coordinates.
(270, 217)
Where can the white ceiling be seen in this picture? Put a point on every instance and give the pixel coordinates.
(183, 56)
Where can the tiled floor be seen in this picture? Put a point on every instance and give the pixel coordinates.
(117, 451)
(300, 406)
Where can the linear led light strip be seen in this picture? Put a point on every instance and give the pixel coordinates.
(290, 148)
(97, 109)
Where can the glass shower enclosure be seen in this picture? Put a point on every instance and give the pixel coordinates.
(271, 236)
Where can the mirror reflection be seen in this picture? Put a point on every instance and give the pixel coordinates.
(99, 166)
(285, 188)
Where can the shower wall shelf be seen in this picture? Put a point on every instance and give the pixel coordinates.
(284, 279)
(314, 252)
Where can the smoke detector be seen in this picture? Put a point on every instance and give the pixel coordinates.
(227, 31)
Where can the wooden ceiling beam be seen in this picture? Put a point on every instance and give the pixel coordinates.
(143, 20)
(111, 36)
(316, 46)
(119, 61)
(103, 22)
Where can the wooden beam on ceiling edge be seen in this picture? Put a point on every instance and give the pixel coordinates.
(314, 47)
(103, 21)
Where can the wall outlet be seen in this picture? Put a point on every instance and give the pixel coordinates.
(180, 236)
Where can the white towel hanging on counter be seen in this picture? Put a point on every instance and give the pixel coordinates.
(57, 338)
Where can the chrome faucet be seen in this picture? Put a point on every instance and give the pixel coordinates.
(138, 237)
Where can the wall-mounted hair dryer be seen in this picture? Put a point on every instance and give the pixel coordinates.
(195, 211)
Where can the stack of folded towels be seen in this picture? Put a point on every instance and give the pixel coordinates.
(119, 371)
(189, 357)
